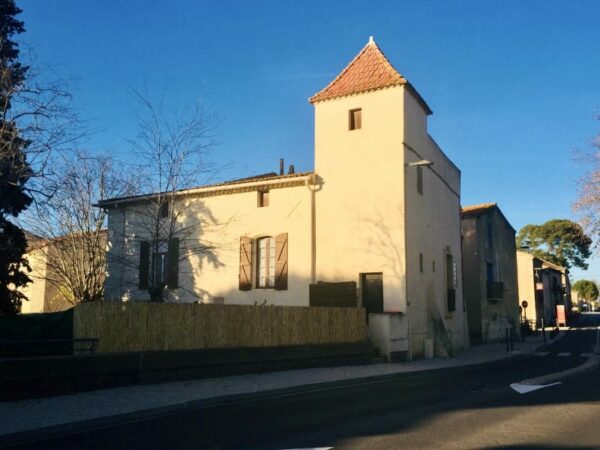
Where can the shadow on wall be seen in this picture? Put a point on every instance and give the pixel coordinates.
(203, 248)
(381, 244)
(195, 228)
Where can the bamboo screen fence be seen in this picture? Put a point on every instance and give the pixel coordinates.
(142, 326)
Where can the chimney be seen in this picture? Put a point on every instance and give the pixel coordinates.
(281, 166)
(291, 170)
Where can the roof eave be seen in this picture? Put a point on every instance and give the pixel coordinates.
(219, 189)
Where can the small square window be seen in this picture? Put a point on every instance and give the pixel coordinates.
(355, 119)
(263, 199)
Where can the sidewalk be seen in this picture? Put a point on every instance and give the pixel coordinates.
(95, 407)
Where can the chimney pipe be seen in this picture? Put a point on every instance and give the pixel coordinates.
(291, 170)
(281, 166)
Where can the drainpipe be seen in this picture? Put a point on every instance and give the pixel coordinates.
(311, 184)
(406, 302)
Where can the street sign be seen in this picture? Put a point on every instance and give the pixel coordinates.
(524, 304)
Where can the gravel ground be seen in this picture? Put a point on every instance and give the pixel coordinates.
(37, 413)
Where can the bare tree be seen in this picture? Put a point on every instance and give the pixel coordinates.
(587, 204)
(34, 120)
(171, 149)
(41, 112)
(75, 230)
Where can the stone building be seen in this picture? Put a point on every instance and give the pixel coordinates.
(489, 272)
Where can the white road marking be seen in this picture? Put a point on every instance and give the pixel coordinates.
(542, 353)
(310, 448)
(587, 355)
(526, 388)
(564, 354)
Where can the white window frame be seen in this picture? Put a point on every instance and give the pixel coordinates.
(265, 262)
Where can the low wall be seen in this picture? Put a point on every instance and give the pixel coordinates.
(141, 326)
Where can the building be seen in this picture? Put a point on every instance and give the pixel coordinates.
(489, 272)
(381, 209)
(42, 295)
(546, 289)
(49, 260)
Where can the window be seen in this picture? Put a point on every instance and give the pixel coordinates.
(263, 198)
(450, 283)
(355, 119)
(163, 210)
(420, 180)
(159, 261)
(433, 266)
(159, 264)
(421, 263)
(490, 273)
(265, 263)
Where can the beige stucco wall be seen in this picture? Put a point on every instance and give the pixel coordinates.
(370, 217)
(432, 223)
(526, 283)
(219, 221)
(360, 207)
(36, 290)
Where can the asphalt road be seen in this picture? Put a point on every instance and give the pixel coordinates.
(458, 408)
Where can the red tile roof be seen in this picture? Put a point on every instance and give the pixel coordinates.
(369, 70)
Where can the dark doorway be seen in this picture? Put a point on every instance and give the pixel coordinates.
(372, 292)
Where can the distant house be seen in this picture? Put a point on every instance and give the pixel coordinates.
(42, 296)
(381, 210)
(43, 293)
(545, 287)
(489, 272)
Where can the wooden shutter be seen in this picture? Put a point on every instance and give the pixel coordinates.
(144, 266)
(281, 262)
(245, 277)
(173, 264)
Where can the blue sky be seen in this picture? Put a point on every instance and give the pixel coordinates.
(514, 85)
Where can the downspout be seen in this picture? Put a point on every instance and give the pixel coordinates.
(121, 287)
(406, 302)
(311, 183)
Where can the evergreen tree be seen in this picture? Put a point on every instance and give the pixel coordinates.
(14, 168)
(559, 241)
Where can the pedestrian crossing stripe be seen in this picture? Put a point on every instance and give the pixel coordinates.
(542, 353)
(564, 354)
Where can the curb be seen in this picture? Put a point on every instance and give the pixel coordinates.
(561, 334)
(81, 426)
